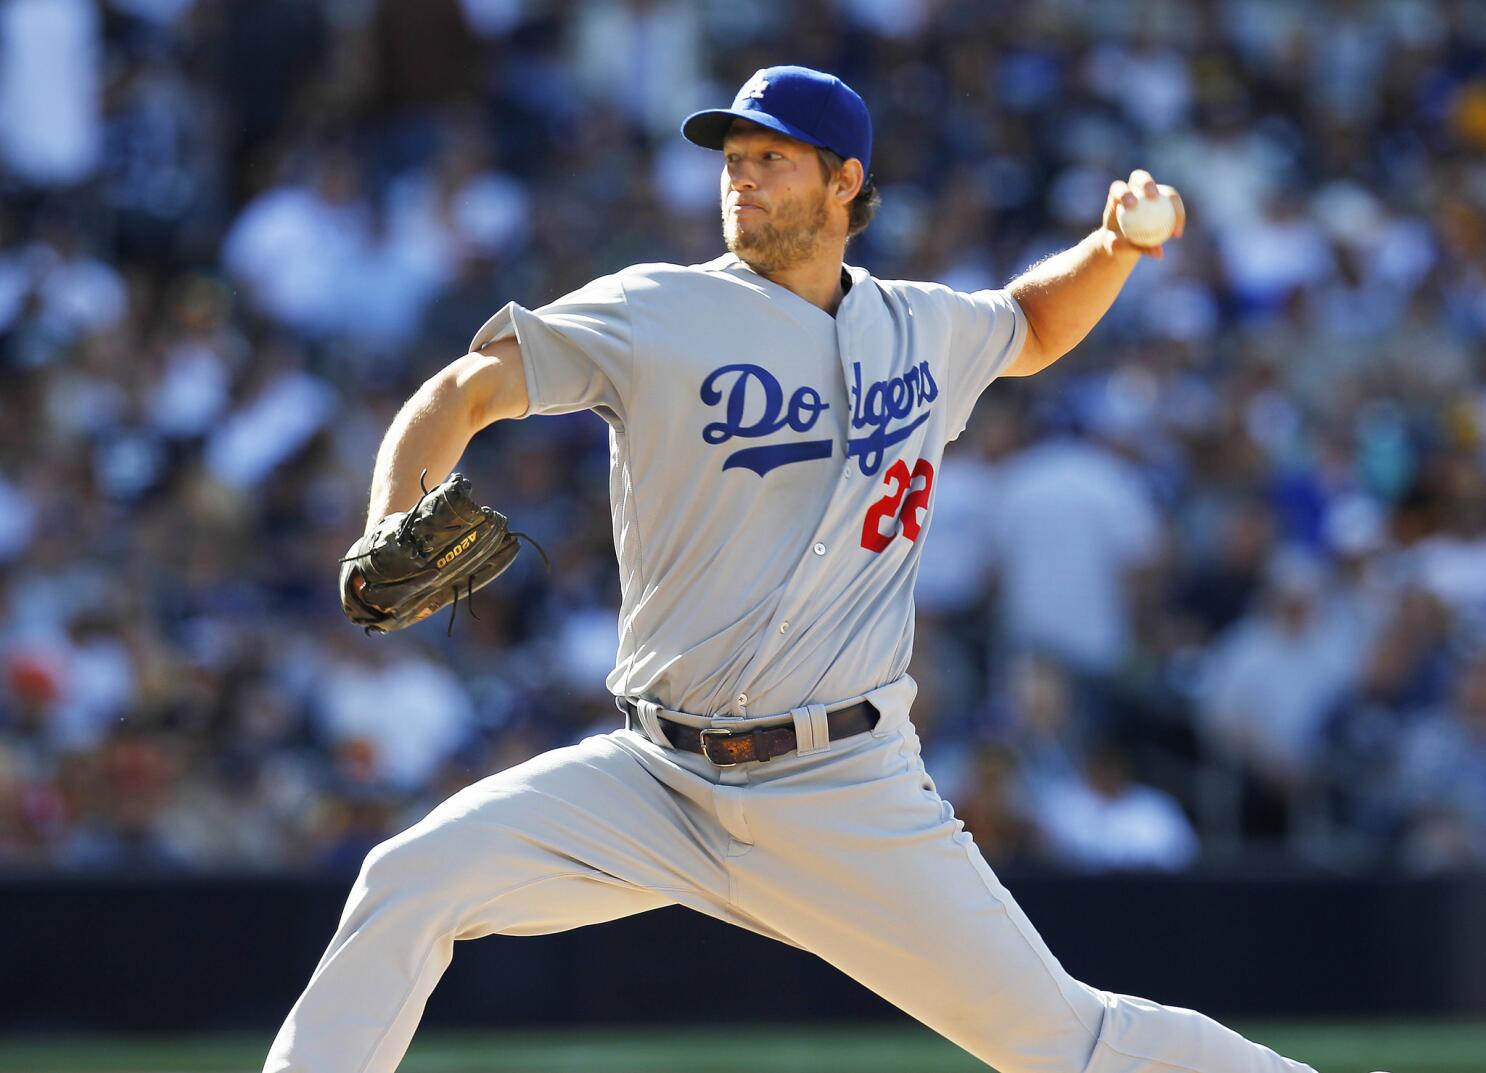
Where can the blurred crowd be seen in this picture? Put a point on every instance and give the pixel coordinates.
(1212, 591)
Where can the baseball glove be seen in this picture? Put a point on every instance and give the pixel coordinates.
(415, 562)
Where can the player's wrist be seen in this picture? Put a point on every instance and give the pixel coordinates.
(1112, 244)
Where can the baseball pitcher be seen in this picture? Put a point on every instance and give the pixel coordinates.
(776, 420)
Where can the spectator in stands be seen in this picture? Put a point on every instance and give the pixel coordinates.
(1442, 778)
(51, 75)
(1101, 819)
(1073, 523)
(1272, 680)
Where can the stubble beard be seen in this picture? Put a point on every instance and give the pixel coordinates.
(789, 236)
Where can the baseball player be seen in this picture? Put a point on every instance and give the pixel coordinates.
(776, 422)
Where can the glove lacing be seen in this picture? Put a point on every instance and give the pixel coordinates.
(469, 598)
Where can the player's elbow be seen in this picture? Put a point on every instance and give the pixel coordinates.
(1035, 354)
(485, 386)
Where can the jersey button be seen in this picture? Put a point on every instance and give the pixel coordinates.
(784, 627)
(819, 549)
(742, 698)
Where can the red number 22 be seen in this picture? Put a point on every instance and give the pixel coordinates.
(873, 538)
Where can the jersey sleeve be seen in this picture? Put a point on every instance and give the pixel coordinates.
(987, 330)
(577, 352)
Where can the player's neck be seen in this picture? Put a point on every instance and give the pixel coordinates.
(818, 280)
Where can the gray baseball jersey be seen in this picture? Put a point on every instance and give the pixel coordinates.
(773, 473)
(772, 466)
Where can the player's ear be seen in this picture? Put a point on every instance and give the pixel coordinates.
(847, 182)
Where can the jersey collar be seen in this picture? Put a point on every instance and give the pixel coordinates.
(851, 276)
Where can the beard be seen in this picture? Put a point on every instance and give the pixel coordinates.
(789, 235)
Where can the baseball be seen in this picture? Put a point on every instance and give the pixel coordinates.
(1150, 223)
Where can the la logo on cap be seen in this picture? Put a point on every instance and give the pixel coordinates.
(807, 105)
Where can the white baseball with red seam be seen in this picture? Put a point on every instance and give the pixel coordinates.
(1150, 222)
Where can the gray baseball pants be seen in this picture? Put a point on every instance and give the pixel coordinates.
(844, 849)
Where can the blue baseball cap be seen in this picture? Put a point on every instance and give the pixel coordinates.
(812, 106)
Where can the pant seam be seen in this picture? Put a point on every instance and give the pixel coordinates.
(911, 770)
(969, 850)
(397, 1013)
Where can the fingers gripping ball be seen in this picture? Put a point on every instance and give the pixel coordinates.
(415, 562)
(1150, 223)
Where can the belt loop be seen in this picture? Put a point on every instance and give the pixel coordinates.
(822, 725)
(812, 732)
(645, 712)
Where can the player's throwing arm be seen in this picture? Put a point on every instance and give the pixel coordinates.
(1067, 294)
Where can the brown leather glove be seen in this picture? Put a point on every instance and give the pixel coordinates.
(415, 562)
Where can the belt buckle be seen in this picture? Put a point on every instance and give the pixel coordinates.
(707, 734)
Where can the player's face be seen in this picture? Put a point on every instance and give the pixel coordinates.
(774, 202)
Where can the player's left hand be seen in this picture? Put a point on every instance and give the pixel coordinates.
(1140, 185)
(414, 562)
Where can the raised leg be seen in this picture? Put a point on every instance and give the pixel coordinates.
(573, 837)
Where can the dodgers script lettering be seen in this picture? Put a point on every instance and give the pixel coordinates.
(883, 401)
(754, 405)
(751, 390)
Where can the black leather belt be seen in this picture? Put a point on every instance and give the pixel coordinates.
(730, 746)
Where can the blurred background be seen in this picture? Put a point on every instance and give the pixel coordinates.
(1207, 599)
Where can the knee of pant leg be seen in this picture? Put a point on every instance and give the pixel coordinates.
(1134, 1028)
(415, 874)
(1059, 1035)
(443, 857)
(1138, 1034)
(1095, 1009)
(1065, 1039)
(386, 871)
(398, 889)
(383, 864)
(415, 858)
(471, 849)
